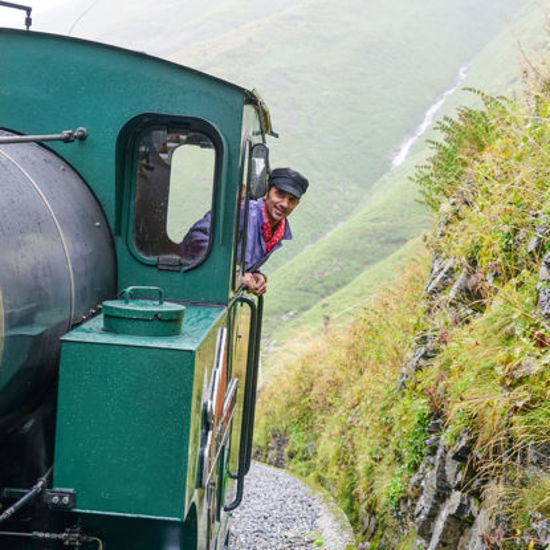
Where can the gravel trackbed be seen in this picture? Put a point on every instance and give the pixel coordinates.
(280, 512)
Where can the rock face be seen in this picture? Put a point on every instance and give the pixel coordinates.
(446, 505)
(449, 512)
(543, 287)
(443, 512)
(442, 275)
(423, 350)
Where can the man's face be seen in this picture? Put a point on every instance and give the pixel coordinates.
(279, 204)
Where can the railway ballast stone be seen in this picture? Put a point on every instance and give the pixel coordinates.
(280, 512)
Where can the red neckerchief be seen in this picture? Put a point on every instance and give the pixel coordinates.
(272, 240)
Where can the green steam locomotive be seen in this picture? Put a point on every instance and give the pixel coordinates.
(128, 363)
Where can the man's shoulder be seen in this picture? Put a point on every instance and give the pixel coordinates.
(255, 209)
(287, 236)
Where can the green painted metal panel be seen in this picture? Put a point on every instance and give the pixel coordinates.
(102, 88)
(123, 428)
(124, 417)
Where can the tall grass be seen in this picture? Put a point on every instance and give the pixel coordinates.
(336, 401)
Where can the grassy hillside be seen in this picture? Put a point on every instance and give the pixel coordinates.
(339, 310)
(334, 261)
(485, 378)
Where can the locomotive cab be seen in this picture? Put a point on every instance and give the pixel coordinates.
(128, 351)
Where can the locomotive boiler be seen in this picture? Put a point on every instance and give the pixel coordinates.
(128, 362)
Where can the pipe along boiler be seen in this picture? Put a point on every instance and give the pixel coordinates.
(128, 357)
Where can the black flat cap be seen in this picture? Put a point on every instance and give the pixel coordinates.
(288, 180)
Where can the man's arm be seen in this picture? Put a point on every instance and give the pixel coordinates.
(195, 243)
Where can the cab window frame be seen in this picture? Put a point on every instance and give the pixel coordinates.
(241, 240)
(251, 134)
(141, 126)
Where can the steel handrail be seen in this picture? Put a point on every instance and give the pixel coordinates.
(249, 401)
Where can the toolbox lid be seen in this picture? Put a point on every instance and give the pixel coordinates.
(145, 317)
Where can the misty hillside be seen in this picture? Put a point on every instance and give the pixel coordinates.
(345, 81)
(427, 417)
(391, 216)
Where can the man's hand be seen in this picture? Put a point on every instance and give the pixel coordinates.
(255, 283)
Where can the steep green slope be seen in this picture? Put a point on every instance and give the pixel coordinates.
(376, 230)
(335, 260)
(340, 308)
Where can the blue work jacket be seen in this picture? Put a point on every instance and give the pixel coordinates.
(196, 240)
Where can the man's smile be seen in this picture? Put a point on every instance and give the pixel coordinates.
(279, 204)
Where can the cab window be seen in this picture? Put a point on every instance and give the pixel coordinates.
(175, 174)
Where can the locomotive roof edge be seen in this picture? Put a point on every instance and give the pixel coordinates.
(121, 49)
(251, 96)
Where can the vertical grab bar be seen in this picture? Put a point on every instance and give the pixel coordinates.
(249, 402)
(254, 383)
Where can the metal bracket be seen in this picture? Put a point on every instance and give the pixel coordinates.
(66, 136)
(60, 499)
(26, 9)
(169, 263)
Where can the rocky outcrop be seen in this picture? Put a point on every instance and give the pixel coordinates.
(448, 510)
(537, 242)
(275, 454)
(543, 287)
(423, 350)
(442, 274)
(446, 496)
(443, 511)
